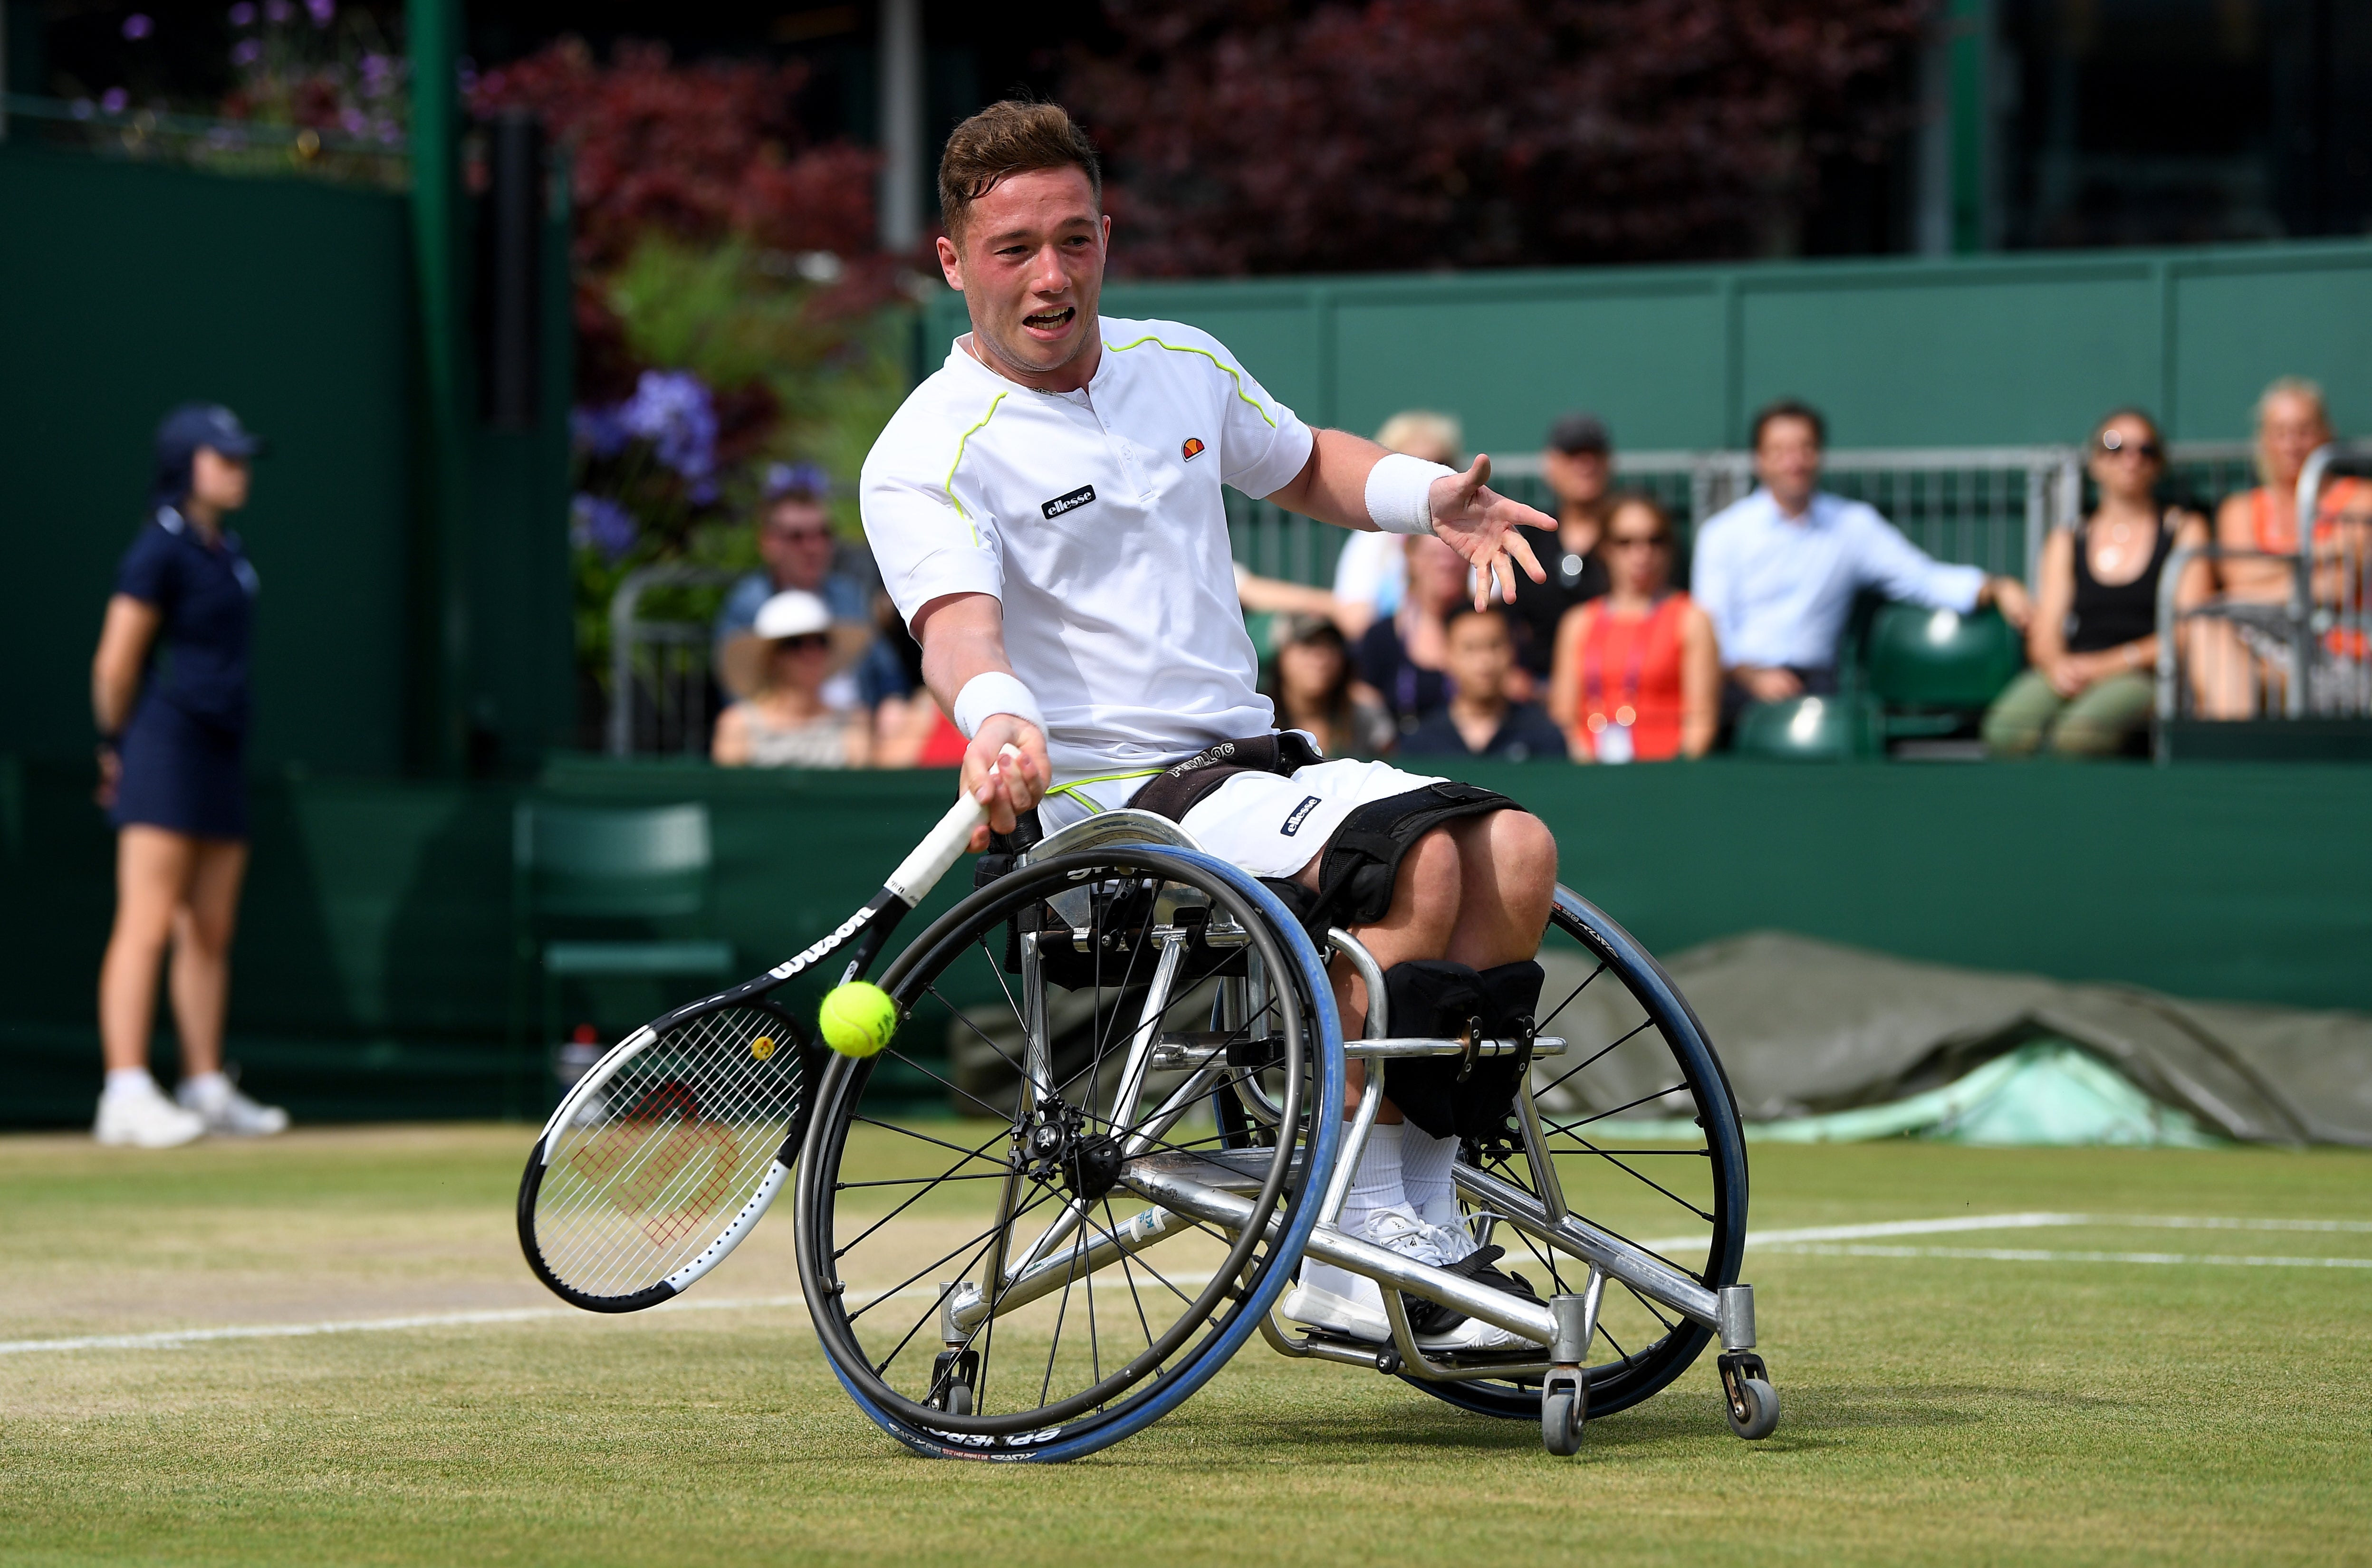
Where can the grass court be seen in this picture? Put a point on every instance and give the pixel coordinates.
(2104, 1391)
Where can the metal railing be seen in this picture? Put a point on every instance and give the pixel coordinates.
(661, 684)
(2306, 655)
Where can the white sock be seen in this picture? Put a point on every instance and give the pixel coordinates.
(1424, 1174)
(1377, 1183)
(122, 1081)
(206, 1090)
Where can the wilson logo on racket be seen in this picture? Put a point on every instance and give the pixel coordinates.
(839, 934)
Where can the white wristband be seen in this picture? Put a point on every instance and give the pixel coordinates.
(985, 695)
(1400, 493)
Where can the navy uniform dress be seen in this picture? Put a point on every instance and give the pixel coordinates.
(184, 753)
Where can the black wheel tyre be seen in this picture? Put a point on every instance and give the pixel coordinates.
(1092, 1350)
(1561, 1422)
(1763, 1410)
(1683, 1192)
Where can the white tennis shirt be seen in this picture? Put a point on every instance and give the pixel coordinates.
(1096, 517)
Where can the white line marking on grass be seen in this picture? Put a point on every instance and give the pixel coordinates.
(2031, 1255)
(173, 1339)
(2013, 1222)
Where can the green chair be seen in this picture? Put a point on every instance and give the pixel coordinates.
(1936, 670)
(1838, 728)
(593, 889)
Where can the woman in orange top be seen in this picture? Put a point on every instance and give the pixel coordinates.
(1637, 673)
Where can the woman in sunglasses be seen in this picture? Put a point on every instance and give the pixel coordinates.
(1637, 676)
(2092, 644)
(784, 721)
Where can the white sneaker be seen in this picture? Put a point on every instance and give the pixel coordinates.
(232, 1114)
(1452, 1241)
(146, 1119)
(1340, 1302)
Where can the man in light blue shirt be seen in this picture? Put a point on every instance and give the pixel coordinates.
(1777, 571)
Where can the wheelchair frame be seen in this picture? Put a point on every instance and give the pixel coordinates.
(1209, 1187)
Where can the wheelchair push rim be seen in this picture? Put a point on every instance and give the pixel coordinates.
(1021, 1208)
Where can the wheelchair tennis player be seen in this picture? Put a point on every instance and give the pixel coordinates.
(1046, 512)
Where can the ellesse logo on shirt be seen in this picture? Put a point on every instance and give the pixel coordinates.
(1070, 503)
(1192, 449)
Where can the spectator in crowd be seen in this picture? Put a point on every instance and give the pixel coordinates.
(1579, 468)
(796, 543)
(1638, 672)
(173, 774)
(912, 731)
(783, 662)
(1371, 575)
(2245, 650)
(1311, 680)
(2093, 640)
(1404, 656)
(1480, 720)
(1777, 571)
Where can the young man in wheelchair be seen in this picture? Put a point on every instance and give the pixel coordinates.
(1047, 513)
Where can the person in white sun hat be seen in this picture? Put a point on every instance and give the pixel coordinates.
(1046, 510)
(783, 719)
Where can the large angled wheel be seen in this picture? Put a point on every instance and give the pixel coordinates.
(980, 1276)
(1641, 1128)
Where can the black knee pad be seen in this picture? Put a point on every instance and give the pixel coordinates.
(1444, 1095)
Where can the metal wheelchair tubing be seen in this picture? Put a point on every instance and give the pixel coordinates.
(1252, 1310)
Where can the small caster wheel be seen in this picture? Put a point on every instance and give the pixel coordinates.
(1563, 1409)
(959, 1399)
(1754, 1409)
(1747, 1396)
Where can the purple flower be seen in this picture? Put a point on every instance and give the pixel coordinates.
(596, 522)
(597, 430)
(389, 131)
(322, 11)
(114, 99)
(137, 26)
(246, 52)
(353, 121)
(783, 478)
(242, 15)
(672, 410)
(378, 75)
(277, 11)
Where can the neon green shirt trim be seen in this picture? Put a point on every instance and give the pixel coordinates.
(1175, 348)
(1072, 788)
(950, 485)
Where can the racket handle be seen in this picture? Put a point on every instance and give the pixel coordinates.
(940, 848)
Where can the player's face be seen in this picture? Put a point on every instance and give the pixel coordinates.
(1030, 263)
(1787, 460)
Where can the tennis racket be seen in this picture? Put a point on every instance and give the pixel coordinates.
(665, 1154)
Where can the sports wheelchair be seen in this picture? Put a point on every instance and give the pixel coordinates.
(1053, 1270)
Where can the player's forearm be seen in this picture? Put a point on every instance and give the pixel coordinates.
(1333, 486)
(963, 636)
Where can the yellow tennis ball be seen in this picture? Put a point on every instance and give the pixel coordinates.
(859, 1018)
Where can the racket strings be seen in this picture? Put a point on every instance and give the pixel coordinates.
(648, 1171)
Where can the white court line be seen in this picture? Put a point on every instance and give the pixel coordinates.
(2030, 1255)
(1802, 1240)
(172, 1339)
(2013, 1222)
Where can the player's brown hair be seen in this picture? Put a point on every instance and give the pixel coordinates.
(1005, 139)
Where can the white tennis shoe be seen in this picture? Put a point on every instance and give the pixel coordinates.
(229, 1113)
(1340, 1302)
(145, 1119)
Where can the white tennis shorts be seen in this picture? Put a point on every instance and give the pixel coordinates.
(1267, 823)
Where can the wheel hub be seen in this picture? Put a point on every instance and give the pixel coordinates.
(1055, 1146)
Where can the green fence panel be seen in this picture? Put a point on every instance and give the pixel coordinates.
(373, 970)
(1987, 350)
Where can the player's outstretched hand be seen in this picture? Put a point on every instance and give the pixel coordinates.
(1483, 526)
(1012, 786)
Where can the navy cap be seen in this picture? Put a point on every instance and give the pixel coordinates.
(1579, 433)
(179, 436)
(193, 425)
